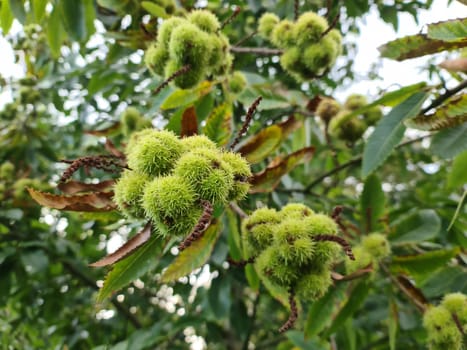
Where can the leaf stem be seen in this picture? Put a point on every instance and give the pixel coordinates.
(440, 99)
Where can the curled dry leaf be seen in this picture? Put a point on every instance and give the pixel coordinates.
(136, 241)
(455, 65)
(268, 179)
(109, 146)
(92, 202)
(189, 122)
(72, 186)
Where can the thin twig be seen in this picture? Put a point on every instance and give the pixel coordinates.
(246, 38)
(256, 50)
(249, 116)
(296, 6)
(331, 26)
(458, 323)
(336, 239)
(167, 81)
(234, 206)
(420, 306)
(352, 162)
(436, 102)
(201, 226)
(293, 313)
(230, 18)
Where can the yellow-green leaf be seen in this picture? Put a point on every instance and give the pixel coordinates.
(372, 202)
(154, 9)
(194, 256)
(219, 124)
(458, 174)
(38, 6)
(418, 45)
(451, 30)
(451, 113)
(185, 97)
(55, 32)
(6, 17)
(422, 266)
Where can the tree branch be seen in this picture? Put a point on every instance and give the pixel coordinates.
(440, 99)
(256, 50)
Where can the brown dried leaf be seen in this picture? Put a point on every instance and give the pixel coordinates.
(290, 125)
(189, 122)
(259, 146)
(268, 179)
(72, 186)
(455, 65)
(109, 146)
(313, 103)
(136, 241)
(93, 202)
(410, 290)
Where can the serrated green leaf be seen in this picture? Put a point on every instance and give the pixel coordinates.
(181, 97)
(457, 212)
(355, 300)
(194, 256)
(422, 266)
(259, 146)
(320, 313)
(72, 14)
(449, 142)
(55, 32)
(219, 297)
(450, 114)
(452, 30)
(418, 227)
(6, 17)
(372, 202)
(458, 175)
(417, 45)
(219, 124)
(154, 9)
(388, 132)
(445, 280)
(134, 266)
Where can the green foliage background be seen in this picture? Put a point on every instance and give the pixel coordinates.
(83, 68)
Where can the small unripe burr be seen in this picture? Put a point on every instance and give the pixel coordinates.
(154, 153)
(266, 24)
(128, 192)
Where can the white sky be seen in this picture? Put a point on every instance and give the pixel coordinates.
(374, 33)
